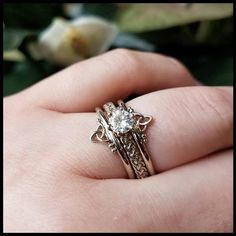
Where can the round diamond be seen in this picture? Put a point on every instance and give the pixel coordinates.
(121, 121)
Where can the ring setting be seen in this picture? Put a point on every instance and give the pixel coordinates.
(121, 121)
(123, 130)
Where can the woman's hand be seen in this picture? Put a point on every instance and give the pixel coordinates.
(56, 180)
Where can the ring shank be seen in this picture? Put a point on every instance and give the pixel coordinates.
(103, 120)
(131, 150)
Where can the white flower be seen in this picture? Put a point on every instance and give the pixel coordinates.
(66, 42)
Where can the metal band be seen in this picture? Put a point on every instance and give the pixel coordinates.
(130, 143)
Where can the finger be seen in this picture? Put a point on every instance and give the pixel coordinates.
(196, 197)
(188, 123)
(111, 76)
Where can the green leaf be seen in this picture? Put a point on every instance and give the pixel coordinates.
(12, 38)
(30, 15)
(215, 32)
(18, 76)
(214, 71)
(146, 17)
(107, 11)
(212, 65)
(13, 55)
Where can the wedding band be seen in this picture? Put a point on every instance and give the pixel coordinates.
(123, 130)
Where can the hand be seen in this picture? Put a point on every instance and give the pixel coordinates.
(57, 180)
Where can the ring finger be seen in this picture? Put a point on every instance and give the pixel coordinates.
(188, 123)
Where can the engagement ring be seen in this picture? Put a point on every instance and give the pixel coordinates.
(123, 130)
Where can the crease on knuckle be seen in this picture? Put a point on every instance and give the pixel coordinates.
(219, 103)
(128, 63)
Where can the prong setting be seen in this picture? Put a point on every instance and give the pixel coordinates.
(123, 130)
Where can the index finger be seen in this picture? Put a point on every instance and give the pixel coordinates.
(111, 76)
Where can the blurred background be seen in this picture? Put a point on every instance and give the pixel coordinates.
(40, 39)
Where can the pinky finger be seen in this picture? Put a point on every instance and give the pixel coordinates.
(196, 197)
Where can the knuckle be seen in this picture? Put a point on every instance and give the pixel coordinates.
(128, 59)
(219, 103)
(127, 63)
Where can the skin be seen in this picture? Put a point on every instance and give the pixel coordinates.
(57, 180)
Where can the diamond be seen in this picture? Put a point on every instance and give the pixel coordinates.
(121, 121)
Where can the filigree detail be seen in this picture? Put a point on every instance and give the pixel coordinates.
(99, 135)
(135, 156)
(127, 137)
(142, 121)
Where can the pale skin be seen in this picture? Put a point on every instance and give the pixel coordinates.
(57, 180)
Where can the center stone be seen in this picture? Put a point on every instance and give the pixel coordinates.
(121, 121)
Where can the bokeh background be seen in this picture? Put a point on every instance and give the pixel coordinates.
(40, 39)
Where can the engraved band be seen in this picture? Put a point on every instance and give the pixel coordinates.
(123, 130)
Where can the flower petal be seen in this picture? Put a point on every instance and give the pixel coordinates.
(99, 33)
(65, 42)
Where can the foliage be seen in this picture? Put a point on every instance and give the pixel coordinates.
(146, 17)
